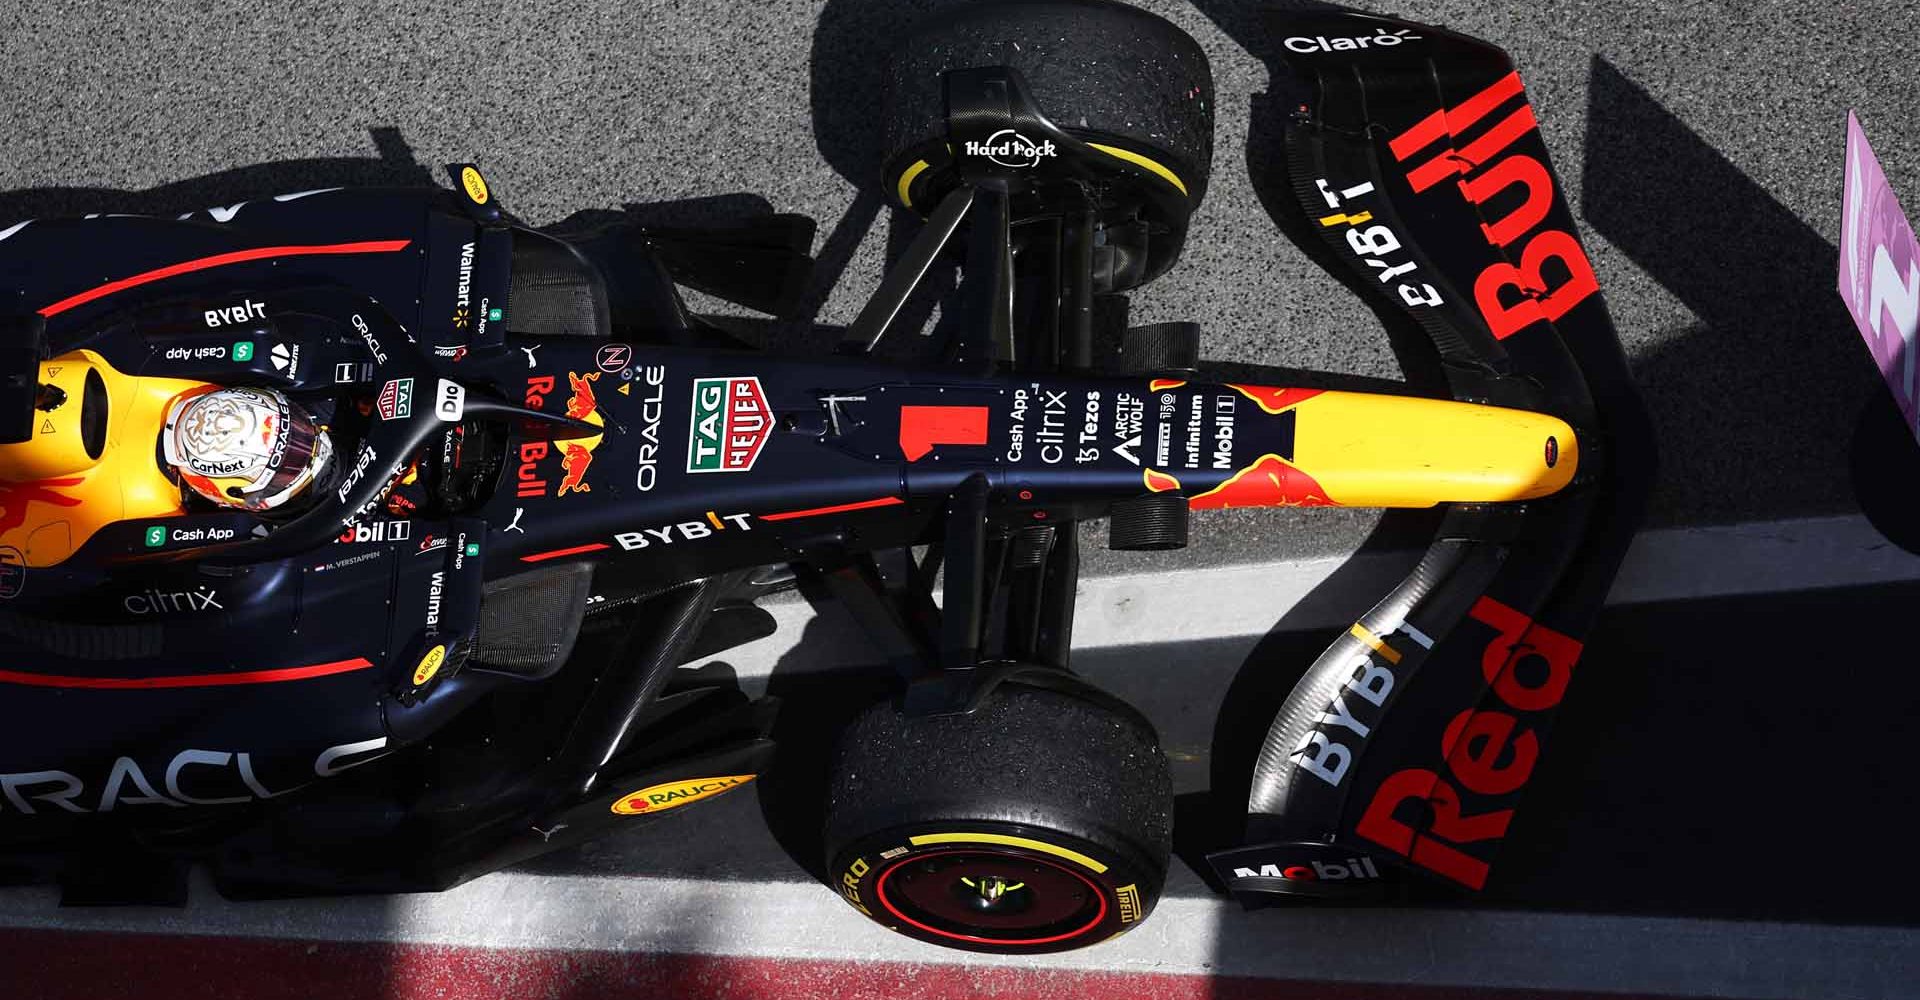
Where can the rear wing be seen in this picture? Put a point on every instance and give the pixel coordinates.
(1416, 157)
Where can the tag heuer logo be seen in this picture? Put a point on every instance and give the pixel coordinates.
(731, 423)
(396, 399)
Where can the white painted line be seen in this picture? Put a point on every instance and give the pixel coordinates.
(804, 921)
(1250, 599)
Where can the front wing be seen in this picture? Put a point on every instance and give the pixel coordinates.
(1416, 158)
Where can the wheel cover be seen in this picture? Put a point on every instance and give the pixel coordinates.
(991, 895)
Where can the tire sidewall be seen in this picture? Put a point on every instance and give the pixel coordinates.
(1128, 886)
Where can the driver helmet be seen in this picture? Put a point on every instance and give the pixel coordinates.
(252, 449)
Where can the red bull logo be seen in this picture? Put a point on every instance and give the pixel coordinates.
(581, 403)
(1274, 400)
(574, 460)
(1449, 822)
(1553, 274)
(531, 479)
(15, 498)
(1269, 482)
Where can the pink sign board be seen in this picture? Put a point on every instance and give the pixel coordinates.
(1880, 273)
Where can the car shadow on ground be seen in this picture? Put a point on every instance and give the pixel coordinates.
(392, 165)
(1773, 341)
(1685, 777)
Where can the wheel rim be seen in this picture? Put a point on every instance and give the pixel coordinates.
(994, 896)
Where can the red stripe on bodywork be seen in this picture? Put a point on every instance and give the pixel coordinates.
(835, 509)
(218, 260)
(186, 680)
(557, 553)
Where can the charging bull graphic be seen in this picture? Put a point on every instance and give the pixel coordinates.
(16, 497)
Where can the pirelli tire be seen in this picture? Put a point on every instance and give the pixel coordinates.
(1040, 822)
(1131, 83)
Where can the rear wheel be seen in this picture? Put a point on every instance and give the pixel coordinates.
(1133, 86)
(1040, 822)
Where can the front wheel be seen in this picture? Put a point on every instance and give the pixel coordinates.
(1040, 822)
(1130, 84)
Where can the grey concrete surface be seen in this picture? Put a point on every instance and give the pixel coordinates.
(1701, 143)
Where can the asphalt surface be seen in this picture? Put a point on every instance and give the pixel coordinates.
(1701, 144)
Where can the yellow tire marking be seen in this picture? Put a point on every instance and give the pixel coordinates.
(1351, 220)
(906, 181)
(1365, 634)
(1140, 161)
(1001, 838)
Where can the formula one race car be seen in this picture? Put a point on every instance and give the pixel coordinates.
(349, 540)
